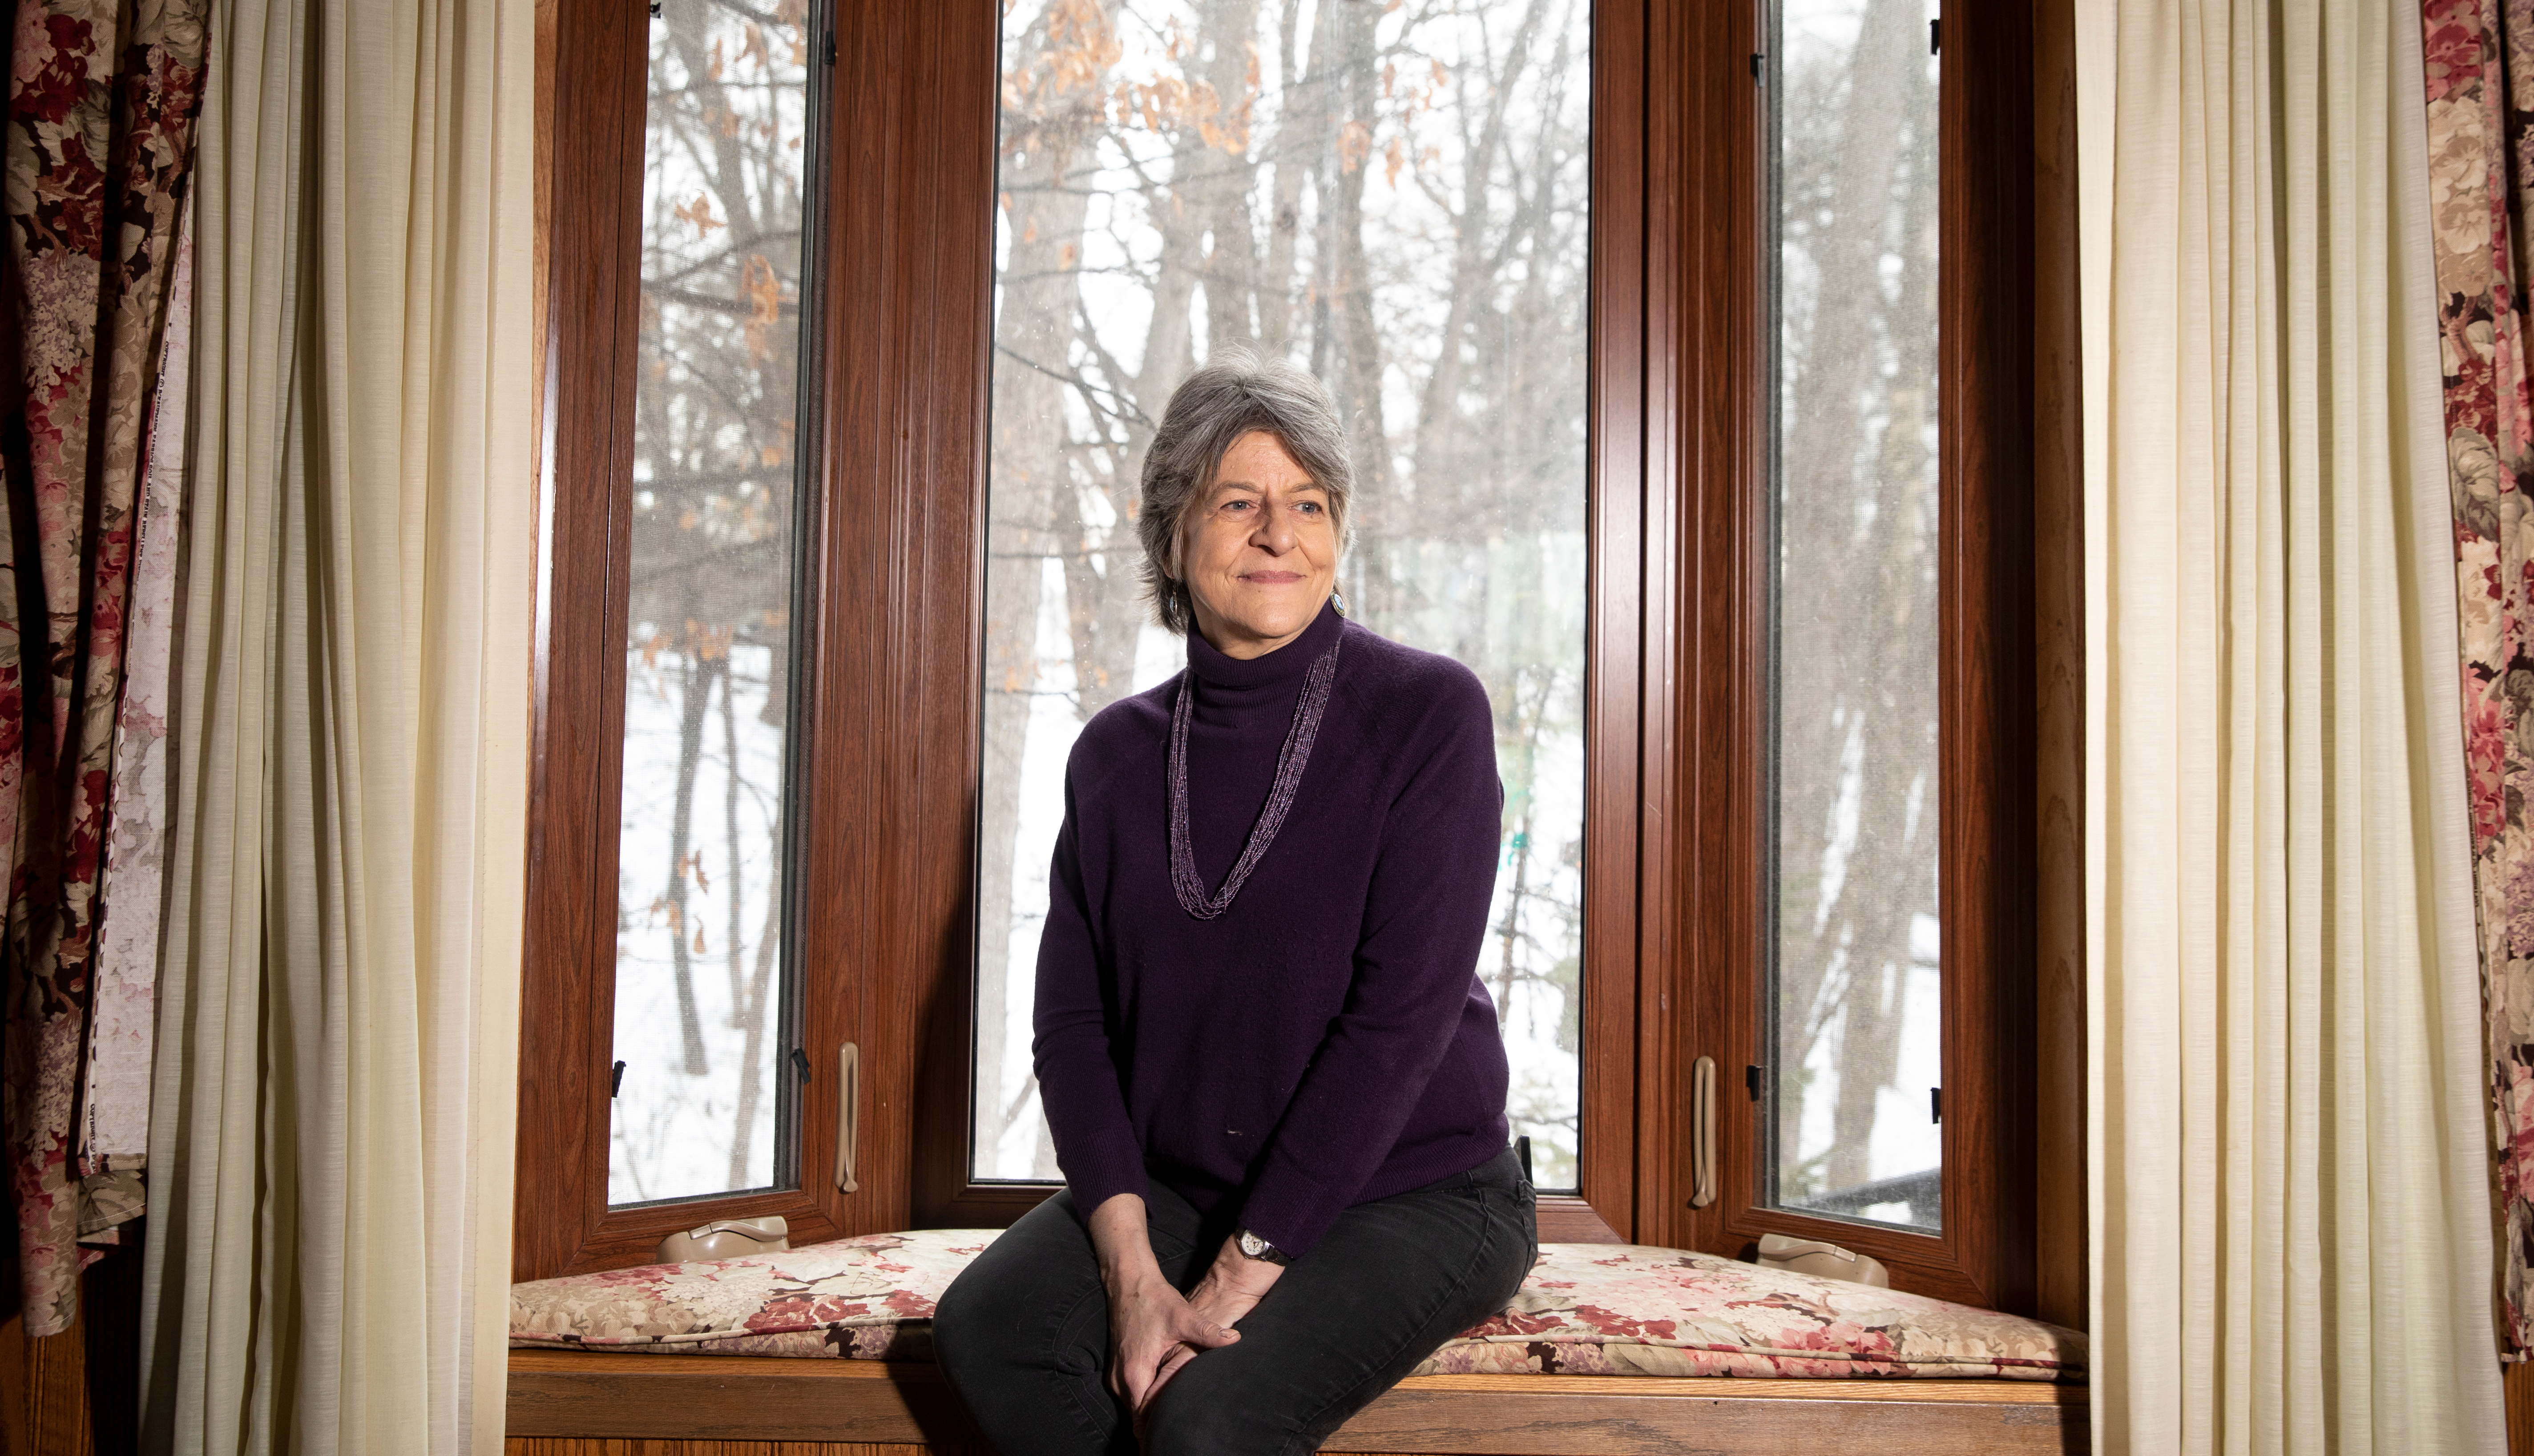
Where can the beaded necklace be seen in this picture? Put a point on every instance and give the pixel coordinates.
(1279, 799)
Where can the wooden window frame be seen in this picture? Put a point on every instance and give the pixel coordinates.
(1987, 879)
(884, 936)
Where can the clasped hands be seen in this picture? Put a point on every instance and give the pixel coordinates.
(1153, 1329)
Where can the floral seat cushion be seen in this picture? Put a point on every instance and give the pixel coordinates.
(854, 1298)
(1588, 1308)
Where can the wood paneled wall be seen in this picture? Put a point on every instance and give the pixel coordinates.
(2519, 1380)
(77, 1393)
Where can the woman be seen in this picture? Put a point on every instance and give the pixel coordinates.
(1275, 1082)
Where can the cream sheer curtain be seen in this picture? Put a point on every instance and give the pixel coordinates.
(330, 1152)
(2290, 1217)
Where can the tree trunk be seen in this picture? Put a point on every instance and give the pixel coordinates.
(1357, 380)
(761, 986)
(695, 683)
(1228, 51)
(728, 166)
(1345, 343)
(1896, 878)
(1878, 651)
(1301, 125)
(1441, 442)
(1044, 137)
(1207, 192)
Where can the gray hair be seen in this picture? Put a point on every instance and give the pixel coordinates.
(1236, 392)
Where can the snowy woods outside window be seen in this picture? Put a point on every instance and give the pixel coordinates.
(1393, 192)
(699, 989)
(1856, 993)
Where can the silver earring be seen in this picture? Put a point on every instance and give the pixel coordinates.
(1337, 599)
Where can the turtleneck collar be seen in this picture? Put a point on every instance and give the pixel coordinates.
(1282, 667)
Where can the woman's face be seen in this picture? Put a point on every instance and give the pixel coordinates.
(1258, 549)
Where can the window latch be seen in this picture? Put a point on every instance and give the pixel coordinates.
(1751, 1079)
(1935, 1104)
(800, 1065)
(616, 1080)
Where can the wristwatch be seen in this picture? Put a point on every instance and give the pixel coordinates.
(1253, 1246)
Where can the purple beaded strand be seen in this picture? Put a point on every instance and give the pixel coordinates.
(1289, 781)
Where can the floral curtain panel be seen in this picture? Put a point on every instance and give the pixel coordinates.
(102, 106)
(2481, 163)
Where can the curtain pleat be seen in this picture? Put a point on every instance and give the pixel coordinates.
(477, 645)
(114, 1123)
(2288, 1174)
(341, 969)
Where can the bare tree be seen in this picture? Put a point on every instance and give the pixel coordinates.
(1396, 195)
(1857, 802)
(1055, 92)
(710, 571)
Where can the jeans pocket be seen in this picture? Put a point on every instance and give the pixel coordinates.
(1511, 1234)
(1521, 1209)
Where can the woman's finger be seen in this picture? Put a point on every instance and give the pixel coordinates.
(1196, 1334)
(1180, 1355)
(1223, 1307)
(1136, 1364)
(1200, 1333)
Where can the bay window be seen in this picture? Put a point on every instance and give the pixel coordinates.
(1675, 345)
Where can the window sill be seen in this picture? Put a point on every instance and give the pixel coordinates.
(674, 1397)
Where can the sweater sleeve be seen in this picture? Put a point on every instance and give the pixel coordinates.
(1078, 1076)
(1424, 918)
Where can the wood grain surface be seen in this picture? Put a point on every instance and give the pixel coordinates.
(708, 1400)
(2517, 1382)
(2059, 683)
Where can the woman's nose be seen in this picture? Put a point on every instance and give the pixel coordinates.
(1275, 532)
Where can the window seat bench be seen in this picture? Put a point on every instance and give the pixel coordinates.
(1607, 1349)
(567, 1398)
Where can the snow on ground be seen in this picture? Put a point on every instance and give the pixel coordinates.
(674, 1129)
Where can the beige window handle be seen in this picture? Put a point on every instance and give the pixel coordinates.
(1702, 1132)
(849, 1111)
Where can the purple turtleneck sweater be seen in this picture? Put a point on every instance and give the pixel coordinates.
(1326, 1041)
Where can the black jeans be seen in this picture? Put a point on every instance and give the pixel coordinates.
(1023, 1333)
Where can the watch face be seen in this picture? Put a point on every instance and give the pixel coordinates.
(1251, 1244)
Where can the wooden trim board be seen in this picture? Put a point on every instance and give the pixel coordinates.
(698, 1397)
